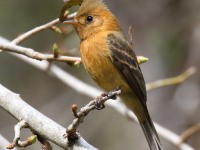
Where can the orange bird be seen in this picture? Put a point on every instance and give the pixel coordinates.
(111, 62)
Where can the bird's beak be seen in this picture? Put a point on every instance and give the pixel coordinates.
(72, 22)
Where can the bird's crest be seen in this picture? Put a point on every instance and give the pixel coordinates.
(90, 6)
(86, 7)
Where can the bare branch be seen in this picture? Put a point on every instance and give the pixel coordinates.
(28, 34)
(16, 142)
(171, 81)
(97, 103)
(49, 129)
(37, 55)
(189, 132)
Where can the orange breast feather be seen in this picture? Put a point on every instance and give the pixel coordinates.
(97, 61)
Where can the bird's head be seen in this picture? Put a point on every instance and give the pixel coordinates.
(93, 17)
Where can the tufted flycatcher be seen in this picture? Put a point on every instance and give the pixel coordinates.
(111, 62)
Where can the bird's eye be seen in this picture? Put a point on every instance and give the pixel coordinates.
(89, 19)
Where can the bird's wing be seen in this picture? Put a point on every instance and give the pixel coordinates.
(125, 61)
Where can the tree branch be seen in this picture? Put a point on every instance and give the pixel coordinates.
(16, 142)
(189, 132)
(171, 81)
(28, 34)
(47, 129)
(97, 103)
(36, 55)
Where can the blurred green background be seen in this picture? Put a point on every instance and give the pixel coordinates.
(167, 32)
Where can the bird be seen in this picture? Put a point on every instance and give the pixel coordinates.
(111, 61)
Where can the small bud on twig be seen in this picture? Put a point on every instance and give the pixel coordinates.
(56, 29)
(55, 50)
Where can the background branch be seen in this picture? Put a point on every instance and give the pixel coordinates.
(171, 81)
(189, 132)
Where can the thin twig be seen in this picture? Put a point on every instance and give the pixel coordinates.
(16, 142)
(189, 132)
(97, 103)
(28, 34)
(37, 55)
(171, 81)
(32, 53)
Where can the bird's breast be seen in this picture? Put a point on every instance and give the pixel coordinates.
(96, 58)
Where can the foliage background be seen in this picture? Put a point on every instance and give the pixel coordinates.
(167, 32)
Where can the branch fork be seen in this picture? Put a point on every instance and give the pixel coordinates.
(16, 142)
(97, 103)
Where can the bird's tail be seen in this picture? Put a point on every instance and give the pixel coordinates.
(150, 132)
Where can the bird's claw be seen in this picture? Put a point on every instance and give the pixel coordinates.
(99, 106)
(111, 94)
